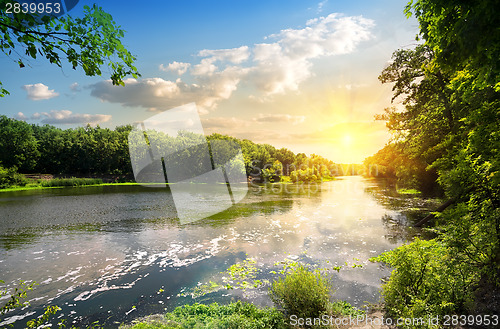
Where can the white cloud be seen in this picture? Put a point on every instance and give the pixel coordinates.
(75, 87)
(206, 67)
(321, 5)
(68, 117)
(284, 64)
(234, 55)
(178, 68)
(39, 91)
(286, 118)
(270, 68)
(157, 94)
(20, 116)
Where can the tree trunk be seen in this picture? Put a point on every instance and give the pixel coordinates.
(431, 215)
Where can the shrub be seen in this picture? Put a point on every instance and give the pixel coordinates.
(10, 177)
(427, 280)
(71, 182)
(301, 292)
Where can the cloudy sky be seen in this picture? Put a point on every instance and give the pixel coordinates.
(300, 74)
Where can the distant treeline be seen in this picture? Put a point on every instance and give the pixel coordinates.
(410, 170)
(94, 151)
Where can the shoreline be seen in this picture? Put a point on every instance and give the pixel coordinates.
(39, 187)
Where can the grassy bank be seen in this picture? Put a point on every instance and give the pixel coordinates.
(61, 183)
(40, 187)
(73, 181)
(301, 294)
(238, 314)
(409, 191)
(235, 315)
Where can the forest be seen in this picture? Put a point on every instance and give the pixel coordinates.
(446, 136)
(102, 152)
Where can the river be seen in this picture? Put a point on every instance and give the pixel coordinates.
(114, 253)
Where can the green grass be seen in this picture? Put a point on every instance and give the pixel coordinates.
(71, 182)
(342, 308)
(63, 182)
(409, 191)
(238, 315)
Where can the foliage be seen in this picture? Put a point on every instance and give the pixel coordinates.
(71, 182)
(342, 308)
(14, 302)
(47, 149)
(242, 275)
(15, 299)
(102, 151)
(236, 315)
(88, 42)
(85, 150)
(49, 311)
(10, 177)
(409, 191)
(449, 124)
(306, 175)
(462, 34)
(428, 280)
(301, 292)
(18, 146)
(394, 162)
(272, 173)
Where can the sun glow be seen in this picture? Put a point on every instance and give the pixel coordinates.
(352, 141)
(347, 140)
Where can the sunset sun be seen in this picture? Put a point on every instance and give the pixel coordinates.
(347, 140)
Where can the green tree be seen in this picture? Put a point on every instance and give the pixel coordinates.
(18, 146)
(450, 86)
(87, 42)
(463, 34)
(51, 144)
(301, 292)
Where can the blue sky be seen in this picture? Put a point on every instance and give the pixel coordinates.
(296, 74)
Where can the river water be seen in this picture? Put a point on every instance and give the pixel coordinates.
(114, 253)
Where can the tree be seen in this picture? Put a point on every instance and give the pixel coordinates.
(87, 42)
(462, 34)
(18, 146)
(450, 120)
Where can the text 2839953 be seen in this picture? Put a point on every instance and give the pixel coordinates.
(33, 8)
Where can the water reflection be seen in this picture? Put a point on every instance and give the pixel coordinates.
(96, 252)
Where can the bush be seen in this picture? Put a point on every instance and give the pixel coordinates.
(428, 280)
(71, 182)
(302, 293)
(10, 177)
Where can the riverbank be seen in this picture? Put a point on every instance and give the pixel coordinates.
(243, 315)
(40, 187)
(48, 182)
